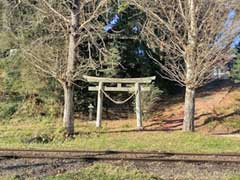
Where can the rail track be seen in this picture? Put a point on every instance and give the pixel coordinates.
(149, 156)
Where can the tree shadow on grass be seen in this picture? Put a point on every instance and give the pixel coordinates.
(169, 125)
(219, 118)
(129, 131)
(172, 124)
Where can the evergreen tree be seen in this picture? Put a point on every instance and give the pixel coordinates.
(235, 71)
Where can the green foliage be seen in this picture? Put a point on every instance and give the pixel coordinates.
(7, 109)
(126, 58)
(235, 71)
(123, 6)
(37, 106)
(112, 60)
(150, 100)
(11, 73)
(24, 92)
(38, 139)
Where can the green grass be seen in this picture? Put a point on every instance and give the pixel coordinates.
(16, 134)
(234, 177)
(104, 172)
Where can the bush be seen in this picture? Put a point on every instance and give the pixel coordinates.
(7, 109)
(24, 92)
(150, 100)
(37, 106)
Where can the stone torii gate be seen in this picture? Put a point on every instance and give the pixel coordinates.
(133, 85)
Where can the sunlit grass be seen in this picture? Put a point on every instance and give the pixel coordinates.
(15, 134)
(234, 177)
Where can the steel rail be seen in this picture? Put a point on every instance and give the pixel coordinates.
(92, 158)
(119, 152)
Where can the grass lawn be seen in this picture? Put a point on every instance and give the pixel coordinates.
(234, 177)
(17, 133)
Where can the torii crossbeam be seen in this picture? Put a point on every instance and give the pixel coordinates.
(136, 87)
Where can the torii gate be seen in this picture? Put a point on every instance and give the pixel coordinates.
(136, 88)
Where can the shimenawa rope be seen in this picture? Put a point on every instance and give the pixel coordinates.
(117, 101)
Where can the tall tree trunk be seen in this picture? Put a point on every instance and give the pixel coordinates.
(3, 19)
(68, 119)
(189, 110)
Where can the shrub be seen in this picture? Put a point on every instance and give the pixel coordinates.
(7, 109)
(150, 100)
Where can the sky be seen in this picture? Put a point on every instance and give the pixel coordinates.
(231, 15)
(113, 22)
(236, 41)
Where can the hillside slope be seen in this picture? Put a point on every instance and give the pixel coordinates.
(217, 110)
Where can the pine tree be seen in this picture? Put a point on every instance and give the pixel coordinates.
(235, 71)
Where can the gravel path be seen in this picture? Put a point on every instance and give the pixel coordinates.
(26, 168)
(37, 168)
(29, 168)
(189, 171)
